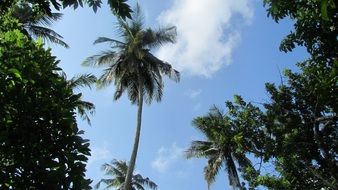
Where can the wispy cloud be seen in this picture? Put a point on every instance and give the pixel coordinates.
(99, 154)
(166, 157)
(207, 30)
(193, 93)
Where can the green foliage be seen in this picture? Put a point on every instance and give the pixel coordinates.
(225, 145)
(36, 24)
(315, 27)
(120, 7)
(297, 130)
(130, 62)
(83, 107)
(118, 170)
(40, 144)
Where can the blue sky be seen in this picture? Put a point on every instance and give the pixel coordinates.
(224, 47)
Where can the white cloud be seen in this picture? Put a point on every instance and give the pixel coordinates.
(208, 30)
(166, 157)
(193, 93)
(98, 154)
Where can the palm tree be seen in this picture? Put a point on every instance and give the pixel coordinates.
(133, 68)
(219, 148)
(84, 80)
(36, 25)
(118, 170)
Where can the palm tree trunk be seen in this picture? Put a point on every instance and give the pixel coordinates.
(127, 182)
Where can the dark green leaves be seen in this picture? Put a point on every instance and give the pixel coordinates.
(41, 147)
(315, 26)
(120, 8)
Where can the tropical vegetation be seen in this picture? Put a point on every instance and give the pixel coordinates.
(118, 170)
(36, 25)
(84, 108)
(119, 7)
(41, 145)
(132, 68)
(219, 147)
(297, 129)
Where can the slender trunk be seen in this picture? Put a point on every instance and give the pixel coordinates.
(127, 182)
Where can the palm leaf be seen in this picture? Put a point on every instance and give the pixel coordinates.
(102, 59)
(46, 34)
(34, 24)
(159, 37)
(200, 149)
(83, 108)
(232, 172)
(115, 43)
(84, 80)
(105, 181)
(47, 20)
(118, 170)
(212, 169)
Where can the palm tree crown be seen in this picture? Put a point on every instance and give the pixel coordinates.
(36, 25)
(118, 170)
(219, 148)
(130, 61)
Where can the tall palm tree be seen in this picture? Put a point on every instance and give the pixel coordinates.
(37, 25)
(118, 170)
(219, 148)
(132, 68)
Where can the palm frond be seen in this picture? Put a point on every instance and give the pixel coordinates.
(207, 126)
(102, 59)
(108, 76)
(159, 37)
(47, 20)
(123, 29)
(46, 34)
(132, 87)
(33, 23)
(83, 107)
(121, 165)
(83, 80)
(216, 113)
(165, 68)
(232, 172)
(199, 149)
(118, 170)
(150, 184)
(106, 181)
(115, 43)
(212, 169)
(139, 181)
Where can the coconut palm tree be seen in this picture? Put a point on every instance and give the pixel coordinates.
(219, 148)
(132, 68)
(36, 25)
(118, 170)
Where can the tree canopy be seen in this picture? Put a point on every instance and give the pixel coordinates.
(119, 7)
(40, 144)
